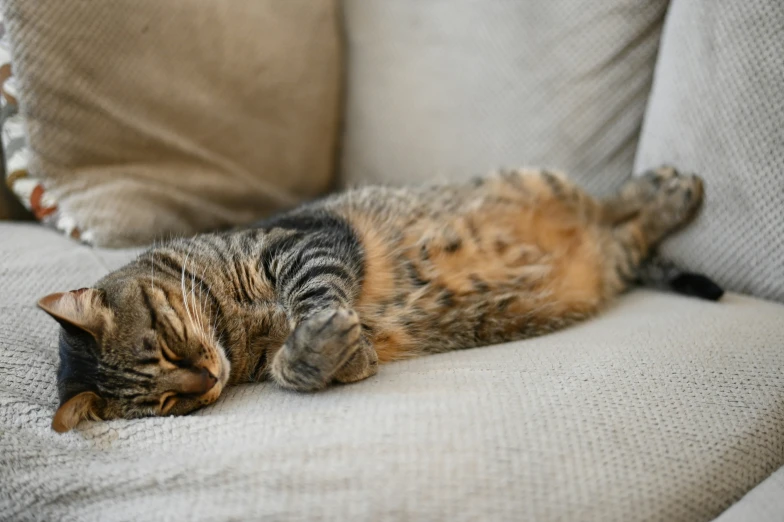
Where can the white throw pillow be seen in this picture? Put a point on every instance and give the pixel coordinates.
(717, 108)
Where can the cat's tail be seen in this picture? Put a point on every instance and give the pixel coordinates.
(663, 275)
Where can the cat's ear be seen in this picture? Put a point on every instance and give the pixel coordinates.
(74, 410)
(81, 308)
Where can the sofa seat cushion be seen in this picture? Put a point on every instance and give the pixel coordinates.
(663, 408)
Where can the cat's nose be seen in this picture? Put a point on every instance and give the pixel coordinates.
(208, 379)
(194, 380)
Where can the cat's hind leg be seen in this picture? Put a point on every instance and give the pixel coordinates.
(645, 211)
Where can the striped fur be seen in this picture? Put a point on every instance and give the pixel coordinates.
(326, 292)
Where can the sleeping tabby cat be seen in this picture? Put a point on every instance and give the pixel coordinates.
(324, 293)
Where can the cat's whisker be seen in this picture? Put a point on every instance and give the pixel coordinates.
(192, 298)
(152, 265)
(196, 302)
(203, 305)
(182, 285)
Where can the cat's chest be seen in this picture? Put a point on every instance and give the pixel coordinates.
(252, 331)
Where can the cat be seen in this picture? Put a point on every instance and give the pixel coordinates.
(326, 292)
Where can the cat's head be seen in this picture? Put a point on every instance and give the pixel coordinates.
(131, 347)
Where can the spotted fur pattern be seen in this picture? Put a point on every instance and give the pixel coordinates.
(326, 292)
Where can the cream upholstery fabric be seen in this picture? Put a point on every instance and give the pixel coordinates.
(664, 408)
(452, 88)
(765, 503)
(717, 108)
(147, 117)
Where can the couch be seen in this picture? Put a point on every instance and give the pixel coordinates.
(663, 408)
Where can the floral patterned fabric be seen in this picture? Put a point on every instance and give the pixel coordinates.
(16, 151)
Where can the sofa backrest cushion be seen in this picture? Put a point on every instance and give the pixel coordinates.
(447, 89)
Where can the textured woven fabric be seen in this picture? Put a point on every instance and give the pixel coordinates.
(664, 408)
(14, 145)
(147, 118)
(452, 88)
(10, 207)
(717, 108)
(765, 503)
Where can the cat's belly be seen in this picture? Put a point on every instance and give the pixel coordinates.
(486, 274)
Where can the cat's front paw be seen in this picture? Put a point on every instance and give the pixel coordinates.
(333, 332)
(316, 349)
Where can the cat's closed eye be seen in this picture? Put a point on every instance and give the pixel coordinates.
(168, 402)
(168, 354)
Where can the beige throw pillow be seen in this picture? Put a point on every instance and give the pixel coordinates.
(147, 118)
